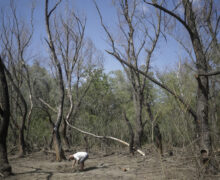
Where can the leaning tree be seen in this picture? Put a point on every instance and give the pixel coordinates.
(5, 167)
(15, 40)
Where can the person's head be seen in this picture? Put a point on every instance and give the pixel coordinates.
(71, 157)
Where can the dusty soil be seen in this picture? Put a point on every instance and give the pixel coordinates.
(106, 166)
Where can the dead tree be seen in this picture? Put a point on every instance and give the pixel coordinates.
(131, 49)
(74, 57)
(5, 168)
(70, 44)
(57, 140)
(192, 26)
(15, 39)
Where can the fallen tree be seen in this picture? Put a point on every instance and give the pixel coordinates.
(104, 137)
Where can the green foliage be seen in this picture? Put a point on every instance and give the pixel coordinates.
(44, 85)
(40, 131)
(108, 95)
(176, 124)
(100, 109)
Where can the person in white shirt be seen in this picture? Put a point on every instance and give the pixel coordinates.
(80, 158)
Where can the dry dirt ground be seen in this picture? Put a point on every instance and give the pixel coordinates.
(106, 166)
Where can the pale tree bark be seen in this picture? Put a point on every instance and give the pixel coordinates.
(156, 134)
(5, 168)
(57, 140)
(69, 43)
(104, 137)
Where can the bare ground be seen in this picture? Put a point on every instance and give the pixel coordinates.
(107, 166)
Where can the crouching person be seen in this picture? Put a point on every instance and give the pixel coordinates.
(80, 158)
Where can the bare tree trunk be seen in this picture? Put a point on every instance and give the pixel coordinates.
(139, 124)
(156, 134)
(64, 135)
(56, 138)
(158, 138)
(86, 143)
(14, 134)
(21, 141)
(131, 133)
(71, 63)
(52, 127)
(22, 145)
(51, 142)
(5, 167)
(130, 55)
(29, 114)
(58, 147)
(213, 113)
(202, 108)
(16, 41)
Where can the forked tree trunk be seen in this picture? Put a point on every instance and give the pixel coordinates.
(5, 168)
(57, 141)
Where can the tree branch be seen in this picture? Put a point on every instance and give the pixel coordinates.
(214, 73)
(55, 6)
(187, 106)
(172, 14)
(103, 25)
(56, 61)
(103, 137)
(46, 104)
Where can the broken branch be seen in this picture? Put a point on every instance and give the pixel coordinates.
(104, 137)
